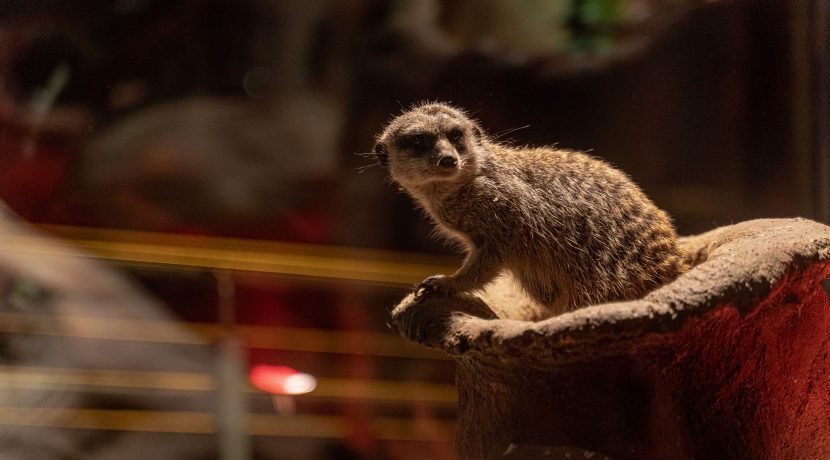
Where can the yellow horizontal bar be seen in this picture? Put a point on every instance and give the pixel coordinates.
(278, 258)
(103, 419)
(300, 426)
(46, 378)
(386, 390)
(264, 337)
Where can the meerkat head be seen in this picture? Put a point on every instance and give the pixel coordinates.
(431, 142)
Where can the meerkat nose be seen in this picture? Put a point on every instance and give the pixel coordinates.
(447, 162)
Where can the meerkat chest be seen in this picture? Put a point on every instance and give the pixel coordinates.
(468, 214)
(446, 215)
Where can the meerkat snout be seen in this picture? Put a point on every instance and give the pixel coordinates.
(446, 155)
(447, 161)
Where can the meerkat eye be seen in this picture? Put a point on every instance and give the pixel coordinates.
(455, 135)
(418, 141)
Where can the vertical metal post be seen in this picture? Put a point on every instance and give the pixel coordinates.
(810, 51)
(231, 382)
(820, 40)
(801, 108)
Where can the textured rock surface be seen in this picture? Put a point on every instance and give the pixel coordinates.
(728, 361)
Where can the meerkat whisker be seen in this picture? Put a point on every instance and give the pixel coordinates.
(501, 134)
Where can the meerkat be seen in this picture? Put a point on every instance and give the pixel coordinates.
(572, 229)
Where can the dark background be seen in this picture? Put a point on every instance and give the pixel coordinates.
(715, 109)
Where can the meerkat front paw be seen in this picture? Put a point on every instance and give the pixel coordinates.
(435, 285)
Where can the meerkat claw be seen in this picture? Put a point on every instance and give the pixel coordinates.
(431, 285)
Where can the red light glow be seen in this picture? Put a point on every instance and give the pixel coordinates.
(281, 380)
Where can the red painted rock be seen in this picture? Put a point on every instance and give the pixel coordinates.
(728, 361)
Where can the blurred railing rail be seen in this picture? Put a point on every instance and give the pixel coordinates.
(91, 380)
(321, 262)
(263, 337)
(308, 426)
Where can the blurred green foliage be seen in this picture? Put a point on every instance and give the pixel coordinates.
(593, 24)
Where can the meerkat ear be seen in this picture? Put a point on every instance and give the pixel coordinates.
(477, 133)
(381, 153)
